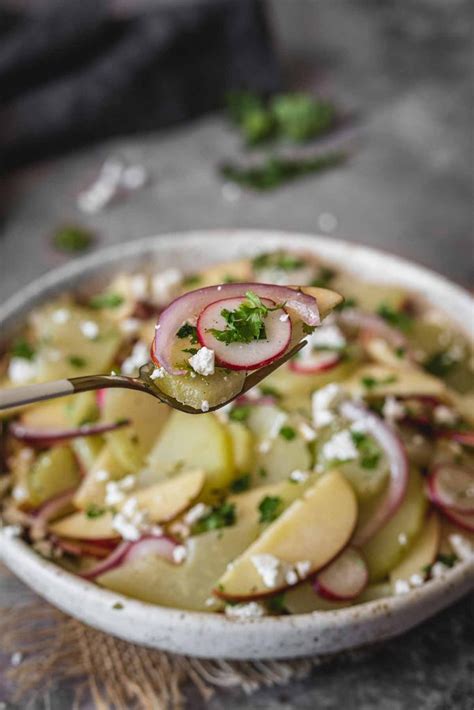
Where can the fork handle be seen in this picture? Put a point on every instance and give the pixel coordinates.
(18, 396)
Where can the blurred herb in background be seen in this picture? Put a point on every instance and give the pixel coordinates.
(71, 238)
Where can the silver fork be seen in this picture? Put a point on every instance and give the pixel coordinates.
(28, 394)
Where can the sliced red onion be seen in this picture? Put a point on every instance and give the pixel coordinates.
(130, 551)
(78, 548)
(244, 356)
(398, 464)
(191, 304)
(452, 487)
(344, 578)
(463, 520)
(315, 362)
(374, 325)
(48, 511)
(48, 437)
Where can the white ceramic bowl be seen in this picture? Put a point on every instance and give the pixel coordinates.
(212, 635)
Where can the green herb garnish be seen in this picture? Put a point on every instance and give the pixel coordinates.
(188, 331)
(72, 238)
(301, 117)
(241, 484)
(287, 432)
(371, 382)
(324, 278)
(245, 323)
(191, 351)
(346, 303)
(448, 560)
(22, 349)
(118, 606)
(240, 413)
(394, 317)
(262, 472)
(270, 507)
(94, 511)
(400, 352)
(369, 451)
(191, 280)
(440, 364)
(220, 517)
(106, 300)
(268, 391)
(276, 604)
(77, 361)
(278, 260)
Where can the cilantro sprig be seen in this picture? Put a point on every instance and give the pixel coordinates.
(270, 507)
(221, 516)
(370, 453)
(246, 323)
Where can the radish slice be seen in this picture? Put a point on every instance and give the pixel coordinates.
(463, 520)
(398, 463)
(100, 399)
(244, 356)
(452, 487)
(48, 437)
(130, 551)
(344, 578)
(191, 304)
(48, 511)
(315, 362)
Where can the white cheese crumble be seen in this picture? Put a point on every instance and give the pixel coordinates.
(323, 404)
(302, 568)
(19, 493)
(61, 316)
(252, 610)
(102, 475)
(89, 329)
(114, 490)
(131, 522)
(269, 569)
(179, 554)
(291, 576)
(204, 405)
(439, 570)
(164, 286)
(203, 361)
(11, 531)
(444, 415)
(16, 658)
(340, 447)
(462, 547)
(393, 410)
(139, 286)
(299, 476)
(327, 336)
(139, 356)
(264, 446)
(306, 431)
(416, 580)
(401, 587)
(284, 317)
(402, 539)
(198, 511)
(21, 370)
(158, 373)
(130, 326)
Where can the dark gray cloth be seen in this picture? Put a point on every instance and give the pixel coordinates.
(82, 70)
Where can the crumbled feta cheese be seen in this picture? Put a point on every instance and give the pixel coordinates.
(444, 415)
(198, 511)
(299, 476)
(284, 317)
(210, 601)
(462, 547)
(439, 570)
(139, 286)
(269, 569)
(203, 361)
(204, 405)
(158, 373)
(179, 554)
(393, 410)
(251, 610)
(89, 329)
(19, 493)
(401, 586)
(326, 336)
(16, 658)
(102, 475)
(402, 539)
(264, 446)
(277, 424)
(416, 580)
(324, 402)
(114, 490)
(127, 529)
(302, 568)
(306, 431)
(127, 483)
(139, 356)
(164, 286)
(11, 531)
(130, 326)
(291, 576)
(61, 316)
(21, 370)
(340, 447)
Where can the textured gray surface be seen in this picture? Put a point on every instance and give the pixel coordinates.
(404, 70)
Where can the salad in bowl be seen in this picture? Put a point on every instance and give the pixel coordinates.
(346, 476)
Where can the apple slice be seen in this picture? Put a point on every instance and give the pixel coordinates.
(303, 539)
(386, 381)
(421, 554)
(162, 502)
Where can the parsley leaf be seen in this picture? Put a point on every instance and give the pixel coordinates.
(106, 300)
(220, 517)
(268, 391)
(439, 364)
(72, 238)
(191, 351)
(94, 511)
(22, 349)
(191, 280)
(77, 361)
(287, 432)
(240, 413)
(188, 331)
(370, 453)
(276, 604)
(300, 117)
(278, 260)
(394, 317)
(270, 507)
(371, 382)
(245, 323)
(241, 484)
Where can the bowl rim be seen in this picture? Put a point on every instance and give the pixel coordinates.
(14, 550)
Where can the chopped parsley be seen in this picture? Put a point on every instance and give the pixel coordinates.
(287, 432)
(400, 352)
(324, 278)
(278, 260)
(188, 331)
(118, 606)
(246, 322)
(221, 516)
(71, 238)
(395, 317)
(106, 300)
(448, 560)
(240, 413)
(22, 349)
(228, 279)
(308, 329)
(262, 472)
(370, 453)
(94, 511)
(270, 507)
(191, 280)
(301, 117)
(276, 604)
(371, 382)
(241, 484)
(191, 351)
(268, 391)
(77, 361)
(439, 364)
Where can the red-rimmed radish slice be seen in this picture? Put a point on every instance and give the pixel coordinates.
(315, 362)
(463, 520)
(344, 578)
(49, 437)
(130, 551)
(396, 456)
(244, 356)
(192, 304)
(452, 487)
(48, 511)
(100, 399)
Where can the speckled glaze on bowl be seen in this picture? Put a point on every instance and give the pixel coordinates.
(212, 635)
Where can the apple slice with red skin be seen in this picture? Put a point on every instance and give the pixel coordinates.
(422, 552)
(162, 502)
(311, 532)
